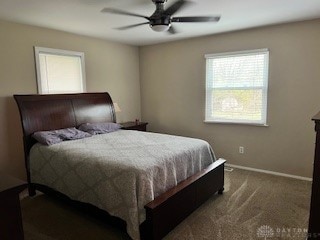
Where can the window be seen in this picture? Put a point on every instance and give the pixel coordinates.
(236, 87)
(59, 71)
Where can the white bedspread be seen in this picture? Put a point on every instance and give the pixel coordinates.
(119, 172)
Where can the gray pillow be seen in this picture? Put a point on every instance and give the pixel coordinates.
(56, 136)
(99, 128)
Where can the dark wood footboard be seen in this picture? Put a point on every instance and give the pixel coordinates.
(169, 209)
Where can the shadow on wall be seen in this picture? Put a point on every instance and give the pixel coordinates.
(13, 134)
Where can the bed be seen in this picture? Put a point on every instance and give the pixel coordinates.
(160, 213)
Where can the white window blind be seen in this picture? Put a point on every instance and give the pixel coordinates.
(59, 71)
(236, 87)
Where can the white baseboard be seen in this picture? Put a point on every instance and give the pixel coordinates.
(269, 172)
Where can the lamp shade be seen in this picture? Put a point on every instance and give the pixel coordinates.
(116, 107)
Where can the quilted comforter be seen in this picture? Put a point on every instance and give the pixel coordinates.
(121, 171)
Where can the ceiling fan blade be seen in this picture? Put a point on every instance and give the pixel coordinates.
(172, 30)
(131, 26)
(121, 12)
(176, 6)
(196, 19)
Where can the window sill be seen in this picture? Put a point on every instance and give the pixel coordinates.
(238, 123)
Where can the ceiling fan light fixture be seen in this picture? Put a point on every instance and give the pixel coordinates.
(160, 27)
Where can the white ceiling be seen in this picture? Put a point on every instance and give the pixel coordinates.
(84, 16)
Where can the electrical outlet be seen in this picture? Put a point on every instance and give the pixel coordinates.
(241, 150)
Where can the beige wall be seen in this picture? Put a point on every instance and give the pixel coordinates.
(110, 67)
(172, 89)
(173, 95)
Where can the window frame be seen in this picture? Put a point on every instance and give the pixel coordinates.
(264, 88)
(57, 52)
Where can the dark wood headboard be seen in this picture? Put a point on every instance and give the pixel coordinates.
(56, 111)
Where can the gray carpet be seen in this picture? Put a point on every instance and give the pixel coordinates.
(253, 206)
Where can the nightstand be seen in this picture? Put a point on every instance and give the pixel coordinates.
(141, 126)
(10, 217)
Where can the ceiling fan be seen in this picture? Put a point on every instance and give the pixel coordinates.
(161, 19)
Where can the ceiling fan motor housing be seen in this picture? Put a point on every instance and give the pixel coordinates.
(162, 20)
